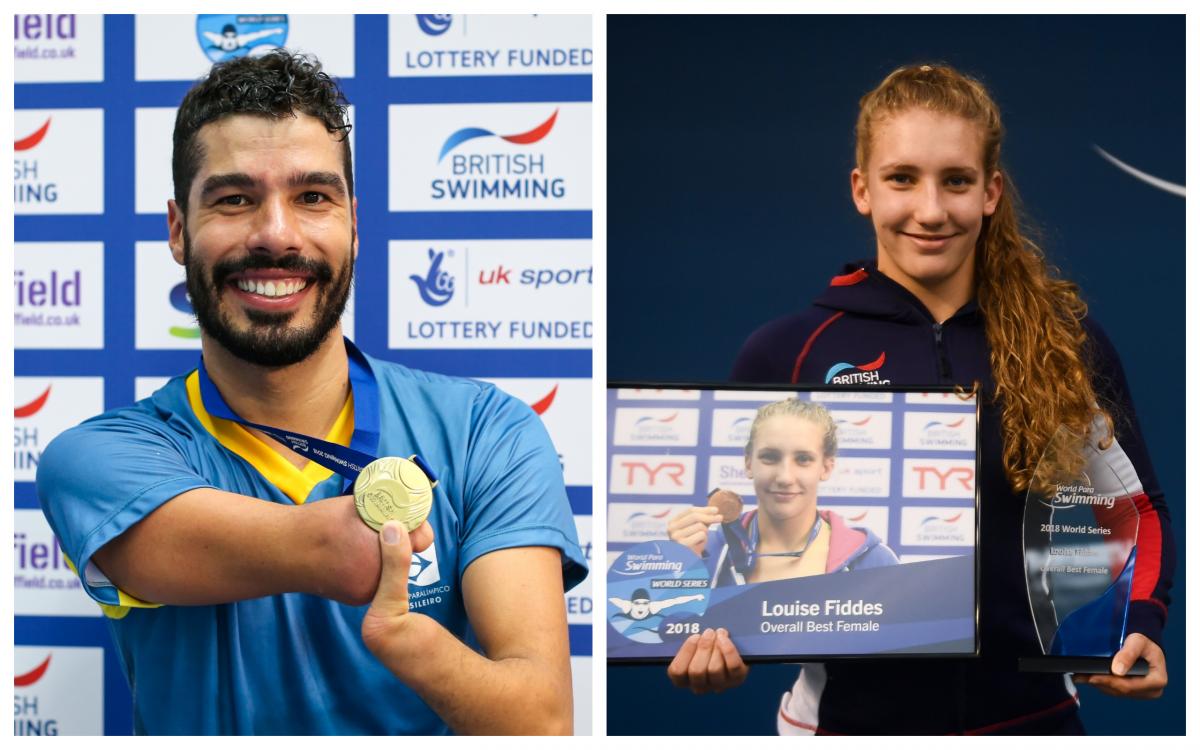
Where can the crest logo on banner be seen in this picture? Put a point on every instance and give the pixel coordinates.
(226, 36)
(434, 24)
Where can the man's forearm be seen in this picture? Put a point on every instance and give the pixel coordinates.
(211, 547)
(474, 694)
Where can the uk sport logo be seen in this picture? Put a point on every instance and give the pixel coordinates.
(459, 137)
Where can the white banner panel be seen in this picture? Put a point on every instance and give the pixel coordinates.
(59, 690)
(937, 527)
(490, 157)
(731, 427)
(858, 477)
(465, 45)
(863, 429)
(641, 522)
(655, 427)
(43, 584)
(939, 431)
(183, 47)
(939, 477)
(652, 475)
(58, 296)
(58, 164)
(44, 408)
(490, 294)
(58, 48)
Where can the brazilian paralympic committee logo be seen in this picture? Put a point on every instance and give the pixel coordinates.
(434, 24)
(459, 137)
(860, 375)
(437, 286)
(181, 302)
(226, 36)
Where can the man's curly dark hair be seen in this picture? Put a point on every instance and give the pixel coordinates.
(278, 84)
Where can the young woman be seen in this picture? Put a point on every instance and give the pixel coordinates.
(791, 450)
(957, 294)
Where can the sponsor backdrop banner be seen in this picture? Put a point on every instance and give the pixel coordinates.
(472, 143)
(729, 206)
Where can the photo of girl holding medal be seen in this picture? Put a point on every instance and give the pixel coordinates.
(957, 293)
(791, 450)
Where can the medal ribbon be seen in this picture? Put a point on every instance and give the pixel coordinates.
(346, 461)
(744, 549)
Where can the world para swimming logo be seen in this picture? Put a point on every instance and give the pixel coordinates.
(437, 286)
(459, 137)
(226, 36)
(867, 374)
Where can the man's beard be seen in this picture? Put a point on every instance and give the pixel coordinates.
(268, 341)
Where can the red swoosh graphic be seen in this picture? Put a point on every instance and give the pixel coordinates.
(952, 519)
(668, 420)
(34, 406)
(535, 135)
(29, 142)
(859, 517)
(27, 679)
(541, 406)
(860, 424)
(874, 365)
(956, 424)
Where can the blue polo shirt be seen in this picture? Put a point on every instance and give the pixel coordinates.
(295, 663)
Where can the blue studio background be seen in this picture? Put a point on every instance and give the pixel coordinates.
(81, 230)
(730, 142)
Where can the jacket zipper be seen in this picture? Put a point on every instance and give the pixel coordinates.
(939, 346)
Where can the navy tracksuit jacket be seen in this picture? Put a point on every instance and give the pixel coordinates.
(869, 321)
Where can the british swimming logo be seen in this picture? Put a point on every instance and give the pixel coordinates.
(867, 374)
(434, 24)
(459, 137)
(33, 139)
(437, 286)
(937, 527)
(541, 405)
(181, 302)
(226, 36)
(33, 407)
(934, 431)
(32, 676)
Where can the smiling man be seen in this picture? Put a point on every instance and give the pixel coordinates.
(234, 572)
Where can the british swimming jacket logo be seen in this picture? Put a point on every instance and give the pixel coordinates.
(867, 374)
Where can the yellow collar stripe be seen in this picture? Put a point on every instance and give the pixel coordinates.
(293, 482)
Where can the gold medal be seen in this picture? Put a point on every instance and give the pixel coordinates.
(393, 489)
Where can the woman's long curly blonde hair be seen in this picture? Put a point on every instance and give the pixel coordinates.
(1032, 318)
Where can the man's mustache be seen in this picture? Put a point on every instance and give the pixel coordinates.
(319, 270)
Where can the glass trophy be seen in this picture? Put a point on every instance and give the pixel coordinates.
(1080, 541)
